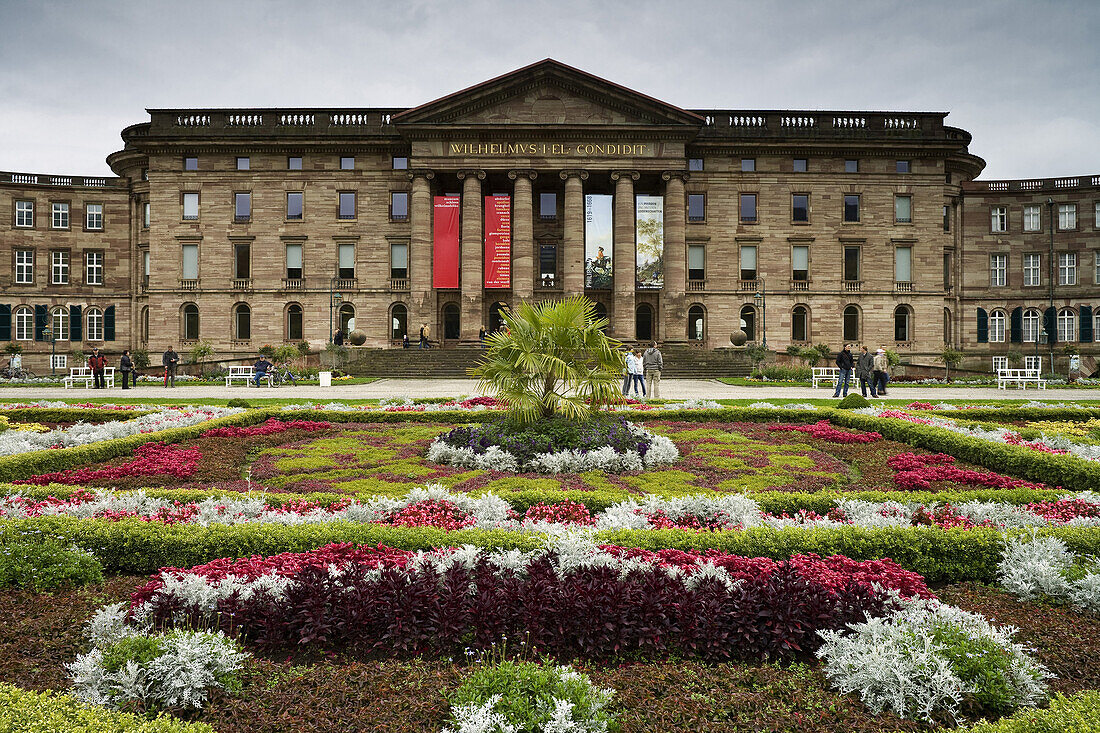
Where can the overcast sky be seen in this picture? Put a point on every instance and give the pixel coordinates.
(1020, 75)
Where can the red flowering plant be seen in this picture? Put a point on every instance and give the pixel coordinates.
(566, 512)
(822, 430)
(151, 459)
(920, 406)
(917, 472)
(273, 426)
(1064, 510)
(431, 513)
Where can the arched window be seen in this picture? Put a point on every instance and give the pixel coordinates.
(748, 321)
(24, 324)
(242, 322)
(496, 323)
(643, 322)
(851, 324)
(902, 323)
(800, 323)
(697, 322)
(997, 322)
(59, 318)
(95, 324)
(145, 324)
(399, 321)
(451, 321)
(1067, 325)
(1031, 326)
(190, 313)
(294, 325)
(601, 312)
(346, 318)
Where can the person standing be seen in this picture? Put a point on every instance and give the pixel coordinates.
(126, 365)
(865, 366)
(97, 362)
(845, 363)
(881, 372)
(653, 362)
(481, 335)
(629, 371)
(338, 337)
(170, 360)
(637, 374)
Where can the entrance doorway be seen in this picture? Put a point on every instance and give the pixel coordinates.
(748, 321)
(450, 318)
(496, 323)
(643, 323)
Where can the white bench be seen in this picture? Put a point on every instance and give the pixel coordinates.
(245, 374)
(1020, 378)
(84, 374)
(828, 375)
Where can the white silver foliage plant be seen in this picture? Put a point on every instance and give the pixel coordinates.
(1037, 567)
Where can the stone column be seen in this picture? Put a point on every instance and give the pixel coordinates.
(421, 294)
(625, 280)
(673, 309)
(523, 236)
(573, 232)
(472, 252)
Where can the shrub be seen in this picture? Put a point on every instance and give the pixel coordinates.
(1079, 713)
(140, 357)
(776, 373)
(303, 348)
(45, 564)
(1037, 568)
(238, 402)
(529, 697)
(852, 402)
(49, 712)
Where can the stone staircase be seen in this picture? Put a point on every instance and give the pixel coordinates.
(681, 362)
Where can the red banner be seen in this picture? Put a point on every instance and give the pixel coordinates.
(498, 241)
(445, 249)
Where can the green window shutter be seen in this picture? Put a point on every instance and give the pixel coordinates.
(983, 326)
(5, 323)
(40, 316)
(1050, 323)
(76, 333)
(1016, 330)
(109, 323)
(1085, 325)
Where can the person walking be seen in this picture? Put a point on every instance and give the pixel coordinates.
(170, 360)
(637, 374)
(97, 362)
(653, 362)
(126, 365)
(881, 372)
(845, 363)
(865, 365)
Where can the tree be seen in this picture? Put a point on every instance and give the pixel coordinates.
(552, 358)
(757, 354)
(824, 349)
(949, 357)
(199, 353)
(13, 349)
(1015, 358)
(140, 358)
(812, 355)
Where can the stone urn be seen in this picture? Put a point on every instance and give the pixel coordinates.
(739, 338)
(357, 338)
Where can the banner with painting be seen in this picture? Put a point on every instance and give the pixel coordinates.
(649, 242)
(498, 241)
(598, 239)
(445, 248)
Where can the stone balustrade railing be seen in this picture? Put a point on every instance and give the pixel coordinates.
(1031, 185)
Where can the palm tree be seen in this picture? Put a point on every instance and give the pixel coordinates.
(552, 358)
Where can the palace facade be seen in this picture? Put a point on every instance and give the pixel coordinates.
(248, 227)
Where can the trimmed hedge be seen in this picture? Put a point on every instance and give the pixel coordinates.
(1078, 713)
(135, 547)
(71, 414)
(49, 712)
(1001, 414)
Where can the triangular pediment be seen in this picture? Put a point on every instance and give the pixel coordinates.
(547, 93)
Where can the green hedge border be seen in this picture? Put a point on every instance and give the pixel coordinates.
(72, 414)
(49, 712)
(998, 414)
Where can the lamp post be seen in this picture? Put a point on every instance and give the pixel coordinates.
(1053, 314)
(761, 300)
(47, 334)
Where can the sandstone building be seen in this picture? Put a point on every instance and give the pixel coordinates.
(248, 227)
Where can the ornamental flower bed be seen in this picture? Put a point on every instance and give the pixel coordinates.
(919, 471)
(272, 426)
(151, 459)
(575, 600)
(822, 430)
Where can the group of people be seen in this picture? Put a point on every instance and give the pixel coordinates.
(642, 370)
(872, 371)
(97, 363)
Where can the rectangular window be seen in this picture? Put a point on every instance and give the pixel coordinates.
(748, 165)
(294, 163)
(697, 207)
(399, 260)
(999, 362)
(400, 163)
(93, 268)
(548, 265)
(145, 215)
(59, 215)
(800, 165)
(748, 263)
(903, 264)
(93, 216)
(947, 218)
(95, 325)
(998, 270)
(1067, 268)
(1032, 269)
(1096, 267)
(190, 270)
(399, 206)
(59, 267)
(695, 164)
(697, 262)
(242, 209)
(347, 163)
(851, 208)
(748, 208)
(244, 164)
(800, 263)
(24, 214)
(851, 166)
(1067, 216)
(190, 164)
(998, 219)
(294, 262)
(997, 327)
(24, 267)
(190, 207)
(548, 206)
(947, 270)
(145, 267)
(902, 166)
(1033, 218)
(242, 260)
(903, 209)
(346, 262)
(294, 205)
(1033, 362)
(59, 361)
(851, 264)
(1096, 216)
(347, 205)
(800, 208)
